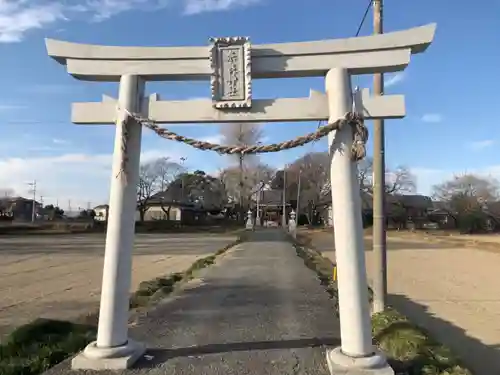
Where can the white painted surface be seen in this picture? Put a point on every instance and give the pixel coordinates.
(417, 38)
(277, 66)
(113, 315)
(363, 55)
(314, 108)
(353, 288)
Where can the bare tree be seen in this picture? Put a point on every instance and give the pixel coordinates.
(198, 188)
(242, 134)
(167, 170)
(314, 171)
(465, 197)
(154, 177)
(482, 189)
(398, 181)
(252, 176)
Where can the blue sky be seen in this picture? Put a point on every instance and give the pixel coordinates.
(450, 90)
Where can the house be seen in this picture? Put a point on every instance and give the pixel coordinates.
(158, 209)
(162, 206)
(271, 205)
(325, 208)
(101, 212)
(442, 214)
(399, 208)
(448, 218)
(19, 208)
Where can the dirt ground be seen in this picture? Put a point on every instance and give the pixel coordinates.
(60, 276)
(452, 291)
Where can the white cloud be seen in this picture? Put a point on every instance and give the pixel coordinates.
(20, 16)
(10, 107)
(49, 88)
(216, 138)
(432, 117)
(481, 145)
(104, 9)
(17, 17)
(78, 177)
(394, 79)
(59, 141)
(201, 6)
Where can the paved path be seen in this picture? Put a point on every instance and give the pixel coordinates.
(59, 276)
(451, 291)
(258, 310)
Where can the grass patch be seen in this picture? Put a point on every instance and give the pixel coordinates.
(35, 347)
(410, 349)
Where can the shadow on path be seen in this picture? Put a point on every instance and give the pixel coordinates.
(155, 357)
(480, 358)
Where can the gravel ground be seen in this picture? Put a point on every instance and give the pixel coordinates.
(258, 310)
(451, 291)
(60, 276)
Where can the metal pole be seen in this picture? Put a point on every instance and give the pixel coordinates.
(298, 197)
(240, 198)
(257, 215)
(283, 218)
(33, 206)
(379, 233)
(182, 179)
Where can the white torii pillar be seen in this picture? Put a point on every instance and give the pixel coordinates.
(113, 349)
(356, 350)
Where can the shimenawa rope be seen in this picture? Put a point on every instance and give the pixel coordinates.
(355, 120)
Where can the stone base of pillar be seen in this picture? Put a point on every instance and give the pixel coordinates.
(117, 358)
(339, 363)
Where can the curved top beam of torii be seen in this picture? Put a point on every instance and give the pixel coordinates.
(361, 55)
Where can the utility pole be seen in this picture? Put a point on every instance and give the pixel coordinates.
(183, 159)
(33, 206)
(298, 197)
(283, 218)
(379, 233)
(257, 214)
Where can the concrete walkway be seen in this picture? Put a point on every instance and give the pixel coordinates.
(258, 310)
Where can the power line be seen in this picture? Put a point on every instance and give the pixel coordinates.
(357, 34)
(364, 17)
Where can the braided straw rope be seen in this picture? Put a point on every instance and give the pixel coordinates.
(355, 120)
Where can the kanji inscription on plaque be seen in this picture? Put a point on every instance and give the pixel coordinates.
(230, 60)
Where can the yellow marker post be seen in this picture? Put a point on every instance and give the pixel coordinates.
(334, 273)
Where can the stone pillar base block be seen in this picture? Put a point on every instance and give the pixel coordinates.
(117, 358)
(341, 364)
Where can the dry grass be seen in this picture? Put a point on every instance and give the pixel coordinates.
(61, 279)
(410, 349)
(43, 343)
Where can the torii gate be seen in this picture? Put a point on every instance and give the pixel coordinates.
(230, 64)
